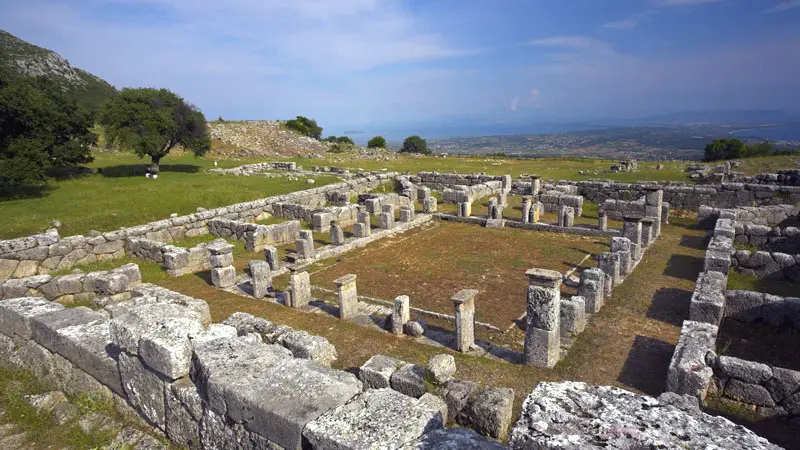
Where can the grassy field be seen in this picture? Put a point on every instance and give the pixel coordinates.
(122, 196)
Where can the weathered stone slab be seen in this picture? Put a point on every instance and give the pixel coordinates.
(223, 277)
(688, 373)
(453, 439)
(489, 412)
(464, 305)
(271, 256)
(299, 290)
(308, 346)
(377, 372)
(144, 389)
(261, 278)
(410, 380)
(572, 415)
(90, 347)
(378, 416)
(401, 313)
(44, 327)
(348, 296)
(16, 314)
(440, 369)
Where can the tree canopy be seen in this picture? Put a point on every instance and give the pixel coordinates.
(40, 128)
(377, 142)
(305, 126)
(154, 121)
(727, 148)
(339, 140)
(415, 144)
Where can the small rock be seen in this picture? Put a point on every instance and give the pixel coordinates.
(94, 233)
(47, 401)
(413, 328)
(310, 181)
(440, 369)
(55, 224)
(174, 215)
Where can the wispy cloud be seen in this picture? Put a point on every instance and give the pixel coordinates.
(574, 42)
(631, 22)
(686, 2)
(783, 6)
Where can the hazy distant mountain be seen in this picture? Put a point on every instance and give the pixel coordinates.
(740, 116)
(28, 59)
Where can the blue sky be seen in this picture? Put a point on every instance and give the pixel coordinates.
(366, 64)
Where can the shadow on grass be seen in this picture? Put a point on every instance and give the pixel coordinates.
(204, 275)
(684, 267)
(135, 170)
(695, 242)
(23, 192)
(670, 305)
(647, 364)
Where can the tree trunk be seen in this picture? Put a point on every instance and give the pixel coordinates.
(154, 165)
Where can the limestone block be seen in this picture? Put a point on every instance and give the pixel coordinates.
(89, 347)
(688, 373)
(575, 415)
(542, 347)
(409, 380)
(16, 314)
(752, 394)
(708, 302)
(213, 332)
(377, 372)
(305, 249)
(602, 221)
(219, 247)
(147, 293)
(386, 221)
(376, 416)
(489, 412)
(271, 256)
(573, 316)
(44, 327)
(161, 335)
(457, 394)
(440, 369)
(429, 205)
(261, 278)
(414, 328)
(747, 371)
(543, 308)
(223, 260)
(180, 425)
(389, 209)
(591, 289)
(464, 305)
(307, 346)
(111, 283)
(337, 234)
(453, 439)
(784, 382)
(299, 290)
(69, 284)
(223, 277)
(745, 306)
(144, 389)
(401, 314)
(360, 230)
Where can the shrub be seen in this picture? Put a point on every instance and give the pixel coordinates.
(377, 142)
(341, 147)
(415, 144)
(305, 126)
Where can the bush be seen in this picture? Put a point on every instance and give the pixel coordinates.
(305, 126)
(341, 147)
(415, 144)
(721, 149)
(377, 142)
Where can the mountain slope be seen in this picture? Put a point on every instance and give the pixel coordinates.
(28, 59)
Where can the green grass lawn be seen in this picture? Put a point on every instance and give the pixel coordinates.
(122, 196)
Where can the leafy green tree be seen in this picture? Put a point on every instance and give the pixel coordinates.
(345, 140)
(153, 122)
(305, 126)
(724, 149)
(377, 142)
(331, 139)
(415, 144)
(40, 128)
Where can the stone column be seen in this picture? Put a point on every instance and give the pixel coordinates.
(429, 205)
(622, 247)
(406, 214)
(464, 303)
(389, 209)
(648, 231)
(654, 201)
(566, 216)
(591, 288)
(423, 192)
(401, 313)
(572, 317)
(305, 250)
(506, 183)
(608, 262)
(308, 235)
(526, 209)
(363, 228)
(261, 278)
(348, 297)
(337, 234)
(664, 214)
(492, 213)
(502, 200)
(632, 229)
(223, 274)
(373, 205)
(536, 210)
(542, 335)
(271, 256)
(536, 185)
(602, 221)
(386, 221)
(299, 289)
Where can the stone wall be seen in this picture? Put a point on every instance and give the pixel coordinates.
(45, 253)
(178, 261)
(772, 391)
(465, 193)
(441, 181)
(767, 264)
(785, 177)
(253, 169)
(772, 310)
(690, 197)
(374, 202)
(775, 239)
(255, 236)
(764, 215)
(553, 200)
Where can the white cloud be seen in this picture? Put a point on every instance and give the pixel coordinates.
(574, 42)
(686, 2)
(783, 6)
(631, 22)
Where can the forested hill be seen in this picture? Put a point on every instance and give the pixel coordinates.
(26, 58)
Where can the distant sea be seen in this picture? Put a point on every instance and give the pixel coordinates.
(770, 133)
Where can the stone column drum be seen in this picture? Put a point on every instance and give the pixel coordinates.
(591, 288)
(348, 297)
(526, 209)
(261, 278)
(492, 208)
(602, 221)
(648, 231)
(464, 304)
(223, 274)
(632, 229)
(363, 228)
(566, 216)
(542, 335)
(429, 205)
(654, 203)
(299, 289)
(608, 262)
(536, 210)
(271, 256)
(337, 234)
(622, 247)
(401, 313)
(536, 185)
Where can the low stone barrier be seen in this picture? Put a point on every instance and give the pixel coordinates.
(45, 253)
(253, 169)
(373, 203)
(178, 261)
(577, 229)
(767, 264)
(255, 236)
(772, 310)
(441, 181)
(464, 193)
(553, 200)
(785, 177)
(763, 215)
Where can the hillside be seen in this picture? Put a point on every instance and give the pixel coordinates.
(28, 59)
